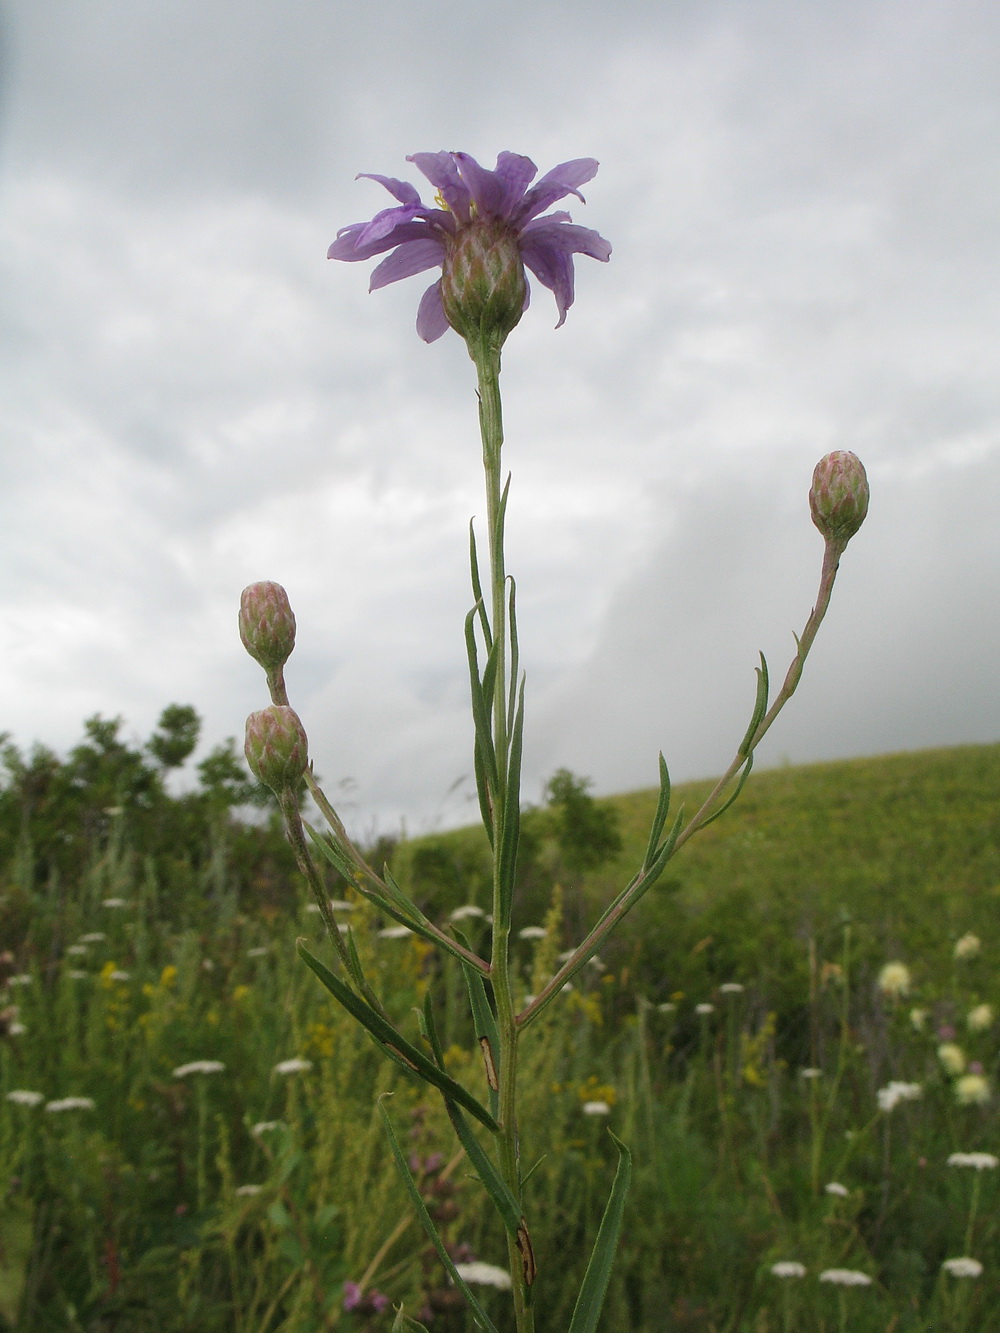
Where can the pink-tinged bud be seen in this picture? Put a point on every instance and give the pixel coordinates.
(267, 624)
(483, 286)
(276, 747)
(839, 495)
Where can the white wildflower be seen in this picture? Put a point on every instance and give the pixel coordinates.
(19, 979)
(810, 1072)
(16, 1029)
(895, 1092)
(484, 1275)
(963, 1267)
(118, 975)
(113, 902)
(258, 951)
(845, 1277)
(978, 1161)
(71, 1104)
(532, 933)
(918, 1019)
(894, 979)
(968, 946)
(464, 913)
(704, 1009)
(668, 1007)
(731, 988)
(93, 937)
(25, 1097)
(247, 1191)
(265, 1127)
(835, 1187)
(77, 975)
(342, 905)
(199, 1067)
(596, 1108)
(394, 932)
(788, 1268)
(76, 950)
(295, 1066)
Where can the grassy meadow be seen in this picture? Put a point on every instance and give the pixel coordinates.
(188, 1128)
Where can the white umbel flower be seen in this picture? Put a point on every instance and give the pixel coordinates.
(978, 1161)
(399, 932)
(845, 1277)
(895, 1092)
(199, 1067)
(484, 1275)
(25, 1097)
(71, 1104)
(894, 979)
(788, 1268)
(963, 1267)
(532, 933)
(968, 946)
(596, 1108)
(294, 1066)
(837, 1189)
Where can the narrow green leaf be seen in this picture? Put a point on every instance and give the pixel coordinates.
(595, 1282)
(504, 1201)
(666, 849)
(507, 860)
(485, 1025)
(512, 630)
(394, 1043)
(659, 819)
(480, 709)
(337, 857)
(357, 972)
(429, 1029)
(485, 807)
(478, 1313)
(739, 787)
(759, 707)
(402, 899)
(477, 588)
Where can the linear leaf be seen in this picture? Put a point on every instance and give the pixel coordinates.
(477, 588)
(759, 707)
(659, 819)
(479, 1314)
(507, 860)
(485, 1024)
(394, 1043)
(493, 1182)
(595, 1282)
(480, 709)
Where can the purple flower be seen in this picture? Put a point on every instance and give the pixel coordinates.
(485, 230)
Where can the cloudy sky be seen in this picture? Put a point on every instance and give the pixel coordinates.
(804, 204)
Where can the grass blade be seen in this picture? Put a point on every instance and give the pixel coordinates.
(595, 1282)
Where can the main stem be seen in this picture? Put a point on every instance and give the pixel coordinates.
(487, 361)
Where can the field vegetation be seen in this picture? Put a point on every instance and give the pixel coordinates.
(795, 1033)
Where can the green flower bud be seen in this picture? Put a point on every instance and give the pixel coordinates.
(276, 747)
(267, 624)
(483, 286)
(838, 498)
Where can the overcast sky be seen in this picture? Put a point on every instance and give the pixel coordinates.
(804, 204)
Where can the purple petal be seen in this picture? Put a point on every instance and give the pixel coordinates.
(556, 184)
(517, 173)
(402, 190)
(431, 320)
(409, 258)
(553, 267)
(350, 243)
(441, 171)
(554, 232)
(487, 189)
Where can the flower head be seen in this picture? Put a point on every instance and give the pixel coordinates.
(963, 1267)
(788, 1268)
(952, 1057)
(199, 1067)
(838, 1190)
(972, 1089)
(978, 1161)
(267, 624)
(484, 1275)
(845, 1277)
(980, 1018)
(894, 979)
(25, 1097)
(276, 747)
(838, 499)
(294, 1066)
(484, 232)
(968, 946)
(895, 1092)
(71, 1104)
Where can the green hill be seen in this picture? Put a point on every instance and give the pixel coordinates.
(906, 847)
